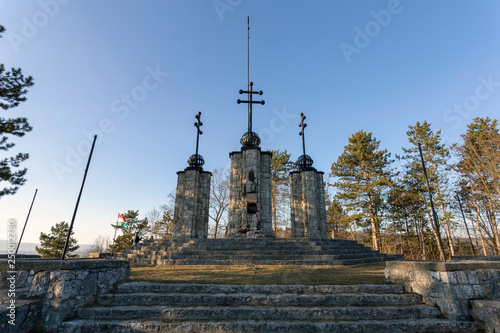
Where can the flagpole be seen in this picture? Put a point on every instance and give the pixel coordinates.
(114, 237)
(25, 223)
(68, 238)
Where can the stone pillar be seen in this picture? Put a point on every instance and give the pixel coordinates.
(250, 192)
(192, 199)
(307, 201)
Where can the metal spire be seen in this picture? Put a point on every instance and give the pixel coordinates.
(303, 125)
(249, 138)
(196, 161)
(304, 162)
(198, 124)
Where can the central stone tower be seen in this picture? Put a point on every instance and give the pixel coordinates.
(250, 178)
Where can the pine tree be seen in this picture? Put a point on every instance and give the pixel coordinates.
(436, 156)
(338, 222)
(13, 91)
(134, 225)
(364, 175)
(163, 228)
(52, 245)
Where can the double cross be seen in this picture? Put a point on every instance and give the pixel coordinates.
(303, 125)
(198, 124)
(250, 93)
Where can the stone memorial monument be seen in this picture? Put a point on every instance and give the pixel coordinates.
(192, 196)
(250, 179)
(307, 199)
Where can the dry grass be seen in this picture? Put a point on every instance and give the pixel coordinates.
(309, 275)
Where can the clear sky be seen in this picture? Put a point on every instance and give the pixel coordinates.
(138, 72)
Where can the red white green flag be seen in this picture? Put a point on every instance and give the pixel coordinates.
(121, 222)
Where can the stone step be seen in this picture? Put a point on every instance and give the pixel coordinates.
(168, 262)
(237, 326)
(315, 257)
(162, 312)
(265, 252)
(244, 251)
(256, 299)
(142, 287)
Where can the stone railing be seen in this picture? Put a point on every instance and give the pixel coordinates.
(452, 286)
(43, 292)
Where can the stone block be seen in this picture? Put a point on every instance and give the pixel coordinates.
(473, 278)
(462, 277)
(487, 312)
(478, 291)
(448, 277)
(39, 284)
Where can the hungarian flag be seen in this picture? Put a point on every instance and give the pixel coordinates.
(121, 222)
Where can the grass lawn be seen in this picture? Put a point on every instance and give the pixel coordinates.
(312, 275)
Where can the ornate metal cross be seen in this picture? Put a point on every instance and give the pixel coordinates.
(250, 102)
(301, 133)
(250, 84)
(198, 124)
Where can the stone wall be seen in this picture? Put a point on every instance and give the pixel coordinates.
(192, 201)
(250, 191)
(48, 291)
(307, 204)
(451, 285)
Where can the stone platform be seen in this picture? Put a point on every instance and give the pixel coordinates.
(254, 251)
(160, 307)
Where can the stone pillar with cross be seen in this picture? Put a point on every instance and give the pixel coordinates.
(307, 196)
(192, 195)
(250, 213)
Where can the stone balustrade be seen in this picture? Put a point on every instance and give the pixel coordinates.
(453, 286)
(41, 293)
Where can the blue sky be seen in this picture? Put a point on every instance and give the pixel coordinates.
(139, 72)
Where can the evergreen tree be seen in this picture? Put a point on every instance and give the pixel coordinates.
(163, 228)
(436, 156)
(281, 166)
(52, 245)
(364, 175)
(122, 242)
(338, 222)
(134, 225)
(13, 91)
(407, 207)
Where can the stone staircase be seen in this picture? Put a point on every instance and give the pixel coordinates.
(145, 306)
(263, 251)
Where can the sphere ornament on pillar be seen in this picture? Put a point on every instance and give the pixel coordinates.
(196, 161)
(250, 140)
(304, 162)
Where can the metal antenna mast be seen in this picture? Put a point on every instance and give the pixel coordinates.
(248, 52)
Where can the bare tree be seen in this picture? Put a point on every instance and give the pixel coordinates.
(219, 198)
(161, 220)
(100, 244)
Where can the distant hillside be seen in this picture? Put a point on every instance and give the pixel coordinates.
(29, 248)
